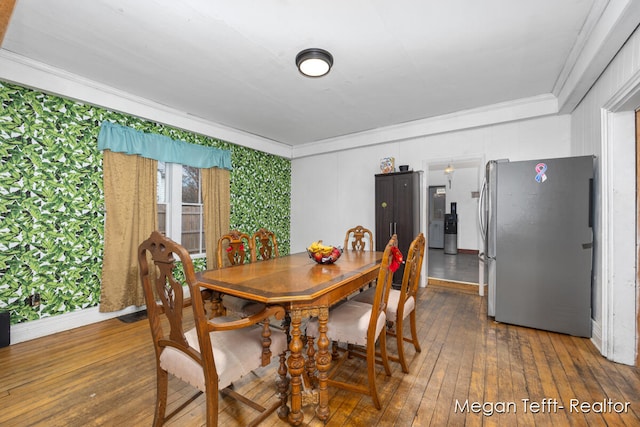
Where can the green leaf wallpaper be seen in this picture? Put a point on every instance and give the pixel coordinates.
(51, 198)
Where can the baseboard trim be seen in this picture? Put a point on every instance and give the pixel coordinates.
(596, 335)
(26, 331)
(454, 284)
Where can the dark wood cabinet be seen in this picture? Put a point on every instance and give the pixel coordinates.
(397, 211)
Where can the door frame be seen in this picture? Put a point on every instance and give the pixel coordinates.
(619, 258)
(637, 237)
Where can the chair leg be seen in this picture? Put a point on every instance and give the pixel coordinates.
(383, 352)
(286, 325)
(400, 341)
(371, 366)
(212, 407)
(371, 372)
(334, 351)
(283, 387)
(414, 331)
(266, 343)
(161, 396)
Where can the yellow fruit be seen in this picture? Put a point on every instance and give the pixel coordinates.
(316, 246)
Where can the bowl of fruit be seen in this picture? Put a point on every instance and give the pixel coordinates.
(323, 254)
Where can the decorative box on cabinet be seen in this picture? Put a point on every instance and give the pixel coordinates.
(397, 211)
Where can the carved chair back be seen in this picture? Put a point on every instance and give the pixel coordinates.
(236, 248)
(356, 239)
(266, 244)
(412, 270)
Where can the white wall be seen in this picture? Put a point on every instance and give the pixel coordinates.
(333, 192)
(603, 124)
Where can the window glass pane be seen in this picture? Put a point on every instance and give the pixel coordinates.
(190, 184)
(192, 228)
(180, 210)
(192, 222)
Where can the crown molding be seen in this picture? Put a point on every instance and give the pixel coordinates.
(35, 75)
(520, 109)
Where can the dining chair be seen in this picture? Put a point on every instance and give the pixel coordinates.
(214, 353)
(360, 325)
(266, 244)
(236, 248)
(402, 302)
(356, 239)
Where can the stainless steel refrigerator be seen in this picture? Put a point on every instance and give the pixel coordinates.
(536, 220)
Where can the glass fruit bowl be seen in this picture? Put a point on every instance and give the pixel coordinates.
(323, 254)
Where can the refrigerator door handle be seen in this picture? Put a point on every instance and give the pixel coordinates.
(481, 202)
(390, 230)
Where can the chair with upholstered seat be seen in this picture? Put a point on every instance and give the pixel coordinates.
(358, 238)
(360, 326)
(236, 248)
(402, 302)
(214, 353)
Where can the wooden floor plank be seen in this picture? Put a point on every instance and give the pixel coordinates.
(104, 374)
(461, 374)
(428, 406)
(477, 381)
(535, 390)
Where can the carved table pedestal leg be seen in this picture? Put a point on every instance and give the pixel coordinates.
(296, 368)
(323, 362)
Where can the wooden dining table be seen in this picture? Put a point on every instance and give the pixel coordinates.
(305, 289)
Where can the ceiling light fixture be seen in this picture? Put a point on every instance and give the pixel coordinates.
(448, 171)
(314, 62)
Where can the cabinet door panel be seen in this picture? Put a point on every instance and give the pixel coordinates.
(404, 216)
(384, 211)
(403, 211)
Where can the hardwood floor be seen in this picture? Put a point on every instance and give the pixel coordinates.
(104, 375)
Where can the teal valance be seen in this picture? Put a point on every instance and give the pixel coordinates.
(126, 140)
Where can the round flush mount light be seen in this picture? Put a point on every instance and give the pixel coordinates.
(314, 62)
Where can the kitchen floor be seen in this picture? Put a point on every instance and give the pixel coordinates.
(459, 268)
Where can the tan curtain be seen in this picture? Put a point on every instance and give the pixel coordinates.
(131, 215)
(216, 197)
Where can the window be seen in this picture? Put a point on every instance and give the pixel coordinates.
(180, 210)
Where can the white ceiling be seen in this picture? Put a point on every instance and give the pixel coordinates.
(232, 62)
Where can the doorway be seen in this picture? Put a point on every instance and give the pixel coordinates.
(446, 180)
